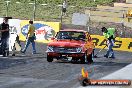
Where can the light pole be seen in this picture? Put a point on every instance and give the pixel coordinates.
(7, 5)
(34, 9)
(63, 8)
(61, 11)
(123, 16)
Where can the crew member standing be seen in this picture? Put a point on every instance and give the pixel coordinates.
(109, 34)
(30, 38)
(4, 29)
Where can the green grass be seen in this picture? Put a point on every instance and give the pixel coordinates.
(51, 12)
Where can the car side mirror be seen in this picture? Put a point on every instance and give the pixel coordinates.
(52, 38)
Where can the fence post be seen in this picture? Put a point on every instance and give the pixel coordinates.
(34, 10)
(7, 5)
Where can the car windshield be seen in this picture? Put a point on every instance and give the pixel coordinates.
(72, 35)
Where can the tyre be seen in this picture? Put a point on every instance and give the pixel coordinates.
(89, 58)
(74, 60)
(49, 58)
(84, 58)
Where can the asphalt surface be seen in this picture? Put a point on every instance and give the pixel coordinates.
(33, 71)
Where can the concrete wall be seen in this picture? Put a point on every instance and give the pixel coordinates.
(128, 1)
(111, 14)
(123, 4)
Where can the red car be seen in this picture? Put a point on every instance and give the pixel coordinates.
(73, 43)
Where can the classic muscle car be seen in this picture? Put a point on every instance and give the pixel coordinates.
(73, 43)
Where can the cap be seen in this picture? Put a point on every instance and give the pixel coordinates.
(31, 22)
(103, 29)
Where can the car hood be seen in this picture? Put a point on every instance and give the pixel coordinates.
(66, 43)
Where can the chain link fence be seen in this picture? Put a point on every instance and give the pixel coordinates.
(47, 12)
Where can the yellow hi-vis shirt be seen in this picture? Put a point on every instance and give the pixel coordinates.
(31, 30)
(111, 32)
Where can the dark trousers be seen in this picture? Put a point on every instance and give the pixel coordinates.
(30, 40)
(4, 44)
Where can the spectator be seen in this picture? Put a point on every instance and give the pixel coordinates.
(30, 38)
(4, 29)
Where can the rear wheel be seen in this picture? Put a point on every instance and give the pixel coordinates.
(49, 58)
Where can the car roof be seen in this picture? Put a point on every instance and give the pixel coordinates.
(75, 30)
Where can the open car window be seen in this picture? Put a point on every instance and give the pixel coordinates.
(72, 35)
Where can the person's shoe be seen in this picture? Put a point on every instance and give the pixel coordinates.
(90, 62)
(106, 56)
(22, 52)
(112, 57)
(34, 53)
(13, 54)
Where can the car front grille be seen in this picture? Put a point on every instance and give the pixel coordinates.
(64, 50)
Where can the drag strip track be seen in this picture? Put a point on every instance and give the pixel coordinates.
(33, 71)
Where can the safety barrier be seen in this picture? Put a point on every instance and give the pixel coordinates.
(123, 44)
(44, 30)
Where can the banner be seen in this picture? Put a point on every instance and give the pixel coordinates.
(44, 30)
(14, 31)
(123, 44)
(15, 26)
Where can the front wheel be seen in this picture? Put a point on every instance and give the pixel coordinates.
(84, 58)
(89, 58)
(49, 58)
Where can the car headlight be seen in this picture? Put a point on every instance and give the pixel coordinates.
(79, 49)
(50, 48)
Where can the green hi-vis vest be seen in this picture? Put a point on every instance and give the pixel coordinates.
(111, 32)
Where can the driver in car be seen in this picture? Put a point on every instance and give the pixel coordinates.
(66, 36)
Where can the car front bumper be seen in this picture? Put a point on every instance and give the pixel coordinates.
(65, 54)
